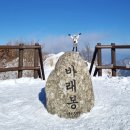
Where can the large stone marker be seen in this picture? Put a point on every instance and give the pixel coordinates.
(69, 88)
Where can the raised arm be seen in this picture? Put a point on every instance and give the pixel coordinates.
(70, 36)
(78, 35)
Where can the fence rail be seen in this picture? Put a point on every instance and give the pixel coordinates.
(38, 70)
(21, 46)
(98, 54)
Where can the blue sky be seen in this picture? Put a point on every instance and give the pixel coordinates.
(49, 21)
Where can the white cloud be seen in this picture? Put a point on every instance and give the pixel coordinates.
(59, 43)
(93, 38)
(56, 44)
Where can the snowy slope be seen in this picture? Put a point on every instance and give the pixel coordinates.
(21, 109)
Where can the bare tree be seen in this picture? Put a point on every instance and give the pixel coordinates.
(87, 52)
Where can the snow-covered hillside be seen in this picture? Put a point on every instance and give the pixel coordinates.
(21, 105)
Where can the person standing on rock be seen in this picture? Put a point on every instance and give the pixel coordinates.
(75, 40)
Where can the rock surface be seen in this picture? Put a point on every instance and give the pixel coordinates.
(69, 90)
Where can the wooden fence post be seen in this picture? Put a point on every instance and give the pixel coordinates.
(99, 59)
(41, 63)
(20, 61)
(36, 61)
(113, 59)
(93, 59)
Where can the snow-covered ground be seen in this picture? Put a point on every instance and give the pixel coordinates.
(21, 105)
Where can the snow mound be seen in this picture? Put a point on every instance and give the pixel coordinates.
(52, 59)
(49, 63)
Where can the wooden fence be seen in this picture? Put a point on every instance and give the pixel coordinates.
(98, 54)
(38, 70)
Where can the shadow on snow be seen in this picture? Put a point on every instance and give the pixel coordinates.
(42, 97)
